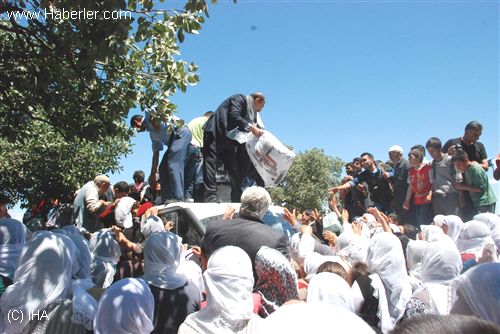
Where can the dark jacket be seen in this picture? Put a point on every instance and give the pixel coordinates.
(246, 233)
(231, 114)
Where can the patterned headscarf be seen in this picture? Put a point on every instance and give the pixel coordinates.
(276, 279)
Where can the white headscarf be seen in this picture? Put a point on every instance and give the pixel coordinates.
(12, 239)
(454, 223)
(480, 286)
(414, 252)
(368, 225)
(43, 276)
(229, 283)
(105, 255)
(162, 256)
(83, 304)
(84, 257)
(385, 258)
(433, 233)
(352, 247)
(151, 225)
(331, 289)
(313, 261)
(74, 230)
(192, 271)
(369, 219)
(441, 263)
(301, 245)
(79, 262)
(493, 222)
(127, 306)
(474, 237)
(386, 323)
(305, 318)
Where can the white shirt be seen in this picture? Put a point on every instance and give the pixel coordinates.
(123, 212)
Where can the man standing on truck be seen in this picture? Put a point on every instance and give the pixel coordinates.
(238, 113)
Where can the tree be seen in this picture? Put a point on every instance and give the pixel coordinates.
(67, 85)
(308, 180)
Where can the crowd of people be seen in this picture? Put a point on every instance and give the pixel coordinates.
(404, 247)
(454, 182)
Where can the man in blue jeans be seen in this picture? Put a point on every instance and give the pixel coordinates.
(171, 168)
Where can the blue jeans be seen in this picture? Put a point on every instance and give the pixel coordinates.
(424, 214)
(171, 168)
(193, 159)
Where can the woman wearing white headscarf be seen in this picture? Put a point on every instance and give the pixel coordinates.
(352, 247)
(493, 222)
(451, 225)
(369, 297)
(313, 318)
(386, 259)
(331, 289)
(476, 292)
(441, 263)
(475, 240)
(432, 233)
(151, 224)
(229, 283)
(414, 253)
(313, 261)
(12, 239)
(42, 284)
(105, 255)
(126, 307)
(301, 245)
(74, 230)
(175, 296)
(85, 293)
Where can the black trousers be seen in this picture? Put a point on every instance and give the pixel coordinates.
(209, 152)
(236, 162)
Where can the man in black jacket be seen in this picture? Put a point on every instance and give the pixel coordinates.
(378, 183)
(236, 114)
(247, 231)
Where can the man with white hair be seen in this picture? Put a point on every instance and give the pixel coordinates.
(246, 231)
(87, 205)
(399, 178)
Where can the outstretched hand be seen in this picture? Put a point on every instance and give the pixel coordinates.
(119, 236)
(357, 227)
(334, 190)
(317, 216)
(374, 211)
(345, 216)
(290, 216)
(169, 225)
(229, 213)
(330, 237)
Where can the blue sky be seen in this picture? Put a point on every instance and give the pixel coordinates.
(348, 76)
